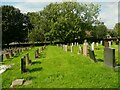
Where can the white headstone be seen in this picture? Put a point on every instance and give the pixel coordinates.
(92, 46)
(71, 48)
(65, 47)
(72, 44)
(97, 43)
(109, 43)
(77, 43)
(101, 42)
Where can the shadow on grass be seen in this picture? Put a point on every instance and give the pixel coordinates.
(100, 60)
(36, 62)
(35, 69)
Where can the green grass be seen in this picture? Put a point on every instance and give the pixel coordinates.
(59, 69)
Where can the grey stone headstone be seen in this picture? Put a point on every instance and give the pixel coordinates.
(23, 65)
(92, 55)
(28, 61)
(109, 57)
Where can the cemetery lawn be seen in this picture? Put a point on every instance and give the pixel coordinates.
(56, 68)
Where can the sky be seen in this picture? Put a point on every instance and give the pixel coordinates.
(108, 14)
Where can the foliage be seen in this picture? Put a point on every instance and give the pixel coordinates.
(65, 21)
(99, 31)
(117, 28)
(14, 25)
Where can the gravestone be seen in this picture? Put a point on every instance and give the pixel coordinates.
(109, 57)
(65, 47)
(101, 42)
(77, 43)
(23, 65)
(11, 53)
(80, 50)
(72, 44)
(97, 44)
(28, 61)
(71, 49)
(106, 44)
(92, 46)
(92, 55)
(1, 58)
(36, 55)
(7, 55)
(109, 43)
(85, 48)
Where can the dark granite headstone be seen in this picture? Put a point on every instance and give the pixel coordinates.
(109, 57)
(92, 55)
(23, 65)
(1, 58)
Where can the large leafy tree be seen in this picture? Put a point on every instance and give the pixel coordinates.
(69, 20)
(15, 25)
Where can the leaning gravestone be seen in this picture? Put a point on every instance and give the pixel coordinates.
(23, 65)
(92, 55)
(109, 57)
(36, 54)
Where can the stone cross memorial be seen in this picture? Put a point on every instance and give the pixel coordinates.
(109, 57)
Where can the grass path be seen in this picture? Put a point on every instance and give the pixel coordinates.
(59, 69)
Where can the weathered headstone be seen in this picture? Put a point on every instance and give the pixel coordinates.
(65, 48)
(36, 55)
(23, 65)
(109, 57)
(71, 48)
(11, 53)
(7, 55)
(92, 55)
(28, 61)
(80, 50)
(97, 44)
(106, 44)
(85, 48)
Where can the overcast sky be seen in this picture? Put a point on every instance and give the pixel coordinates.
(108, 13)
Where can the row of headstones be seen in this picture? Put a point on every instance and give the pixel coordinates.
(9, 53)
(109, 53)
(25, 61)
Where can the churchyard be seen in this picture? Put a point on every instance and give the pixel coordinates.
(61, 66)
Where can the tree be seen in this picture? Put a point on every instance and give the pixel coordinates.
(69, 20)
(14, 25)
(99, 31)
(117, 28)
